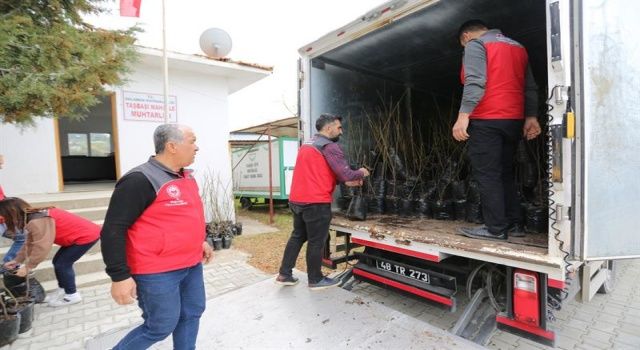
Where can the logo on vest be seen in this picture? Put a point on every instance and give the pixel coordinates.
(174, 192)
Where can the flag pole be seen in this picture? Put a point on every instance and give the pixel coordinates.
(165, 64)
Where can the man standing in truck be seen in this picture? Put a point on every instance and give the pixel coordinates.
(319, 166)
(499, 105)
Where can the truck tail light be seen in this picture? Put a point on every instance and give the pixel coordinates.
(526, 303)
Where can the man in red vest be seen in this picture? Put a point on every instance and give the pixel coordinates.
(319, 166)
(153, 243)
(499, 105)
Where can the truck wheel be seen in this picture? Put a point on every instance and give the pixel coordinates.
(609, 284)
(245, 203)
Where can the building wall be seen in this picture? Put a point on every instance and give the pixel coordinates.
(201, 104)
(31, 157)
(31, 164)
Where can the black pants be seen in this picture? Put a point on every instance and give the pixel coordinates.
(63, 265)
(310, 224)
(492, 147)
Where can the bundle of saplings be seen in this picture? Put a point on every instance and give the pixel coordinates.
(419, 170)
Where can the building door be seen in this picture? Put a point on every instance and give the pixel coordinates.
(88, 147)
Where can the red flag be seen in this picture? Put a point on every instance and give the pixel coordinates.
(130, 8)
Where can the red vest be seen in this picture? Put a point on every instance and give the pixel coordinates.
(2, 196)
(505, 86)
(72, 229)
(169, 234)
(313, 180)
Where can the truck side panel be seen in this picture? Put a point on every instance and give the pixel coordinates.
(608, 118)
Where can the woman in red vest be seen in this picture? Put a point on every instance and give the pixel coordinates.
(75, 236)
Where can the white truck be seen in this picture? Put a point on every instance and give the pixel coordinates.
(586, 59)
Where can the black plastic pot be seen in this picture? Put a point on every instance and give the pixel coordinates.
(460, 209)
(343, 203)
(537, 219)
(217, 243)
(528, 175)
(423, 208)
(391, 205)
(210, 241)
(442, 210)
(9, 327)
(238, 228)
(429, 191)
(474, 213)
(25, 309)
(458, 190)
(406, 207)
(347, 191)
(375, 205)
(226, 242)
(473, 193)
(18, 287)
(357, 208)
(391, 189)
(378, 187)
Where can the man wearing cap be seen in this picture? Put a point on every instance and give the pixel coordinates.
(319, 166)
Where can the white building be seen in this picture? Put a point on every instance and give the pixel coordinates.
(117, 134)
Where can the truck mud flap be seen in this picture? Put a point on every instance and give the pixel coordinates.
(427, 284)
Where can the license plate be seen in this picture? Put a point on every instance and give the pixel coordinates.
(404, 271)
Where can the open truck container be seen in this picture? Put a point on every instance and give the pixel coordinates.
(251, 169)
(586, 62)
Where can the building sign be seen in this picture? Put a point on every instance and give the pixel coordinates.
(148, 107)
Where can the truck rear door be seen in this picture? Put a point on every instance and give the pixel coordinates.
(607, 95)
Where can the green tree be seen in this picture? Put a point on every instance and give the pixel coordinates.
(53, 63)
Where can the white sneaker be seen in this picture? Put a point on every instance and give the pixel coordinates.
(68, 299)
(55, 295)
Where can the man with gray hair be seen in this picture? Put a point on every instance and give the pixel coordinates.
(153, 243)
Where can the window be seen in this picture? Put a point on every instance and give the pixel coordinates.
(100, 144)
(93, 144)
(78, 145)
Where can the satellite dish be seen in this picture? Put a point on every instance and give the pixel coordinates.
(215, 42)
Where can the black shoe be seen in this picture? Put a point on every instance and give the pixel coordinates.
(516, 230)
(324, 283)
(482, 233)
(286, 280)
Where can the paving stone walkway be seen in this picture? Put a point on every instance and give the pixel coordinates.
(71, 326)
(607, 322)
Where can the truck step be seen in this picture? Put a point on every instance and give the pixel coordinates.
(478, 320)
